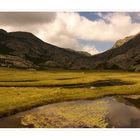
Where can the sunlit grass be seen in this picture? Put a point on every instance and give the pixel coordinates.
(69, 115)
(24, 93)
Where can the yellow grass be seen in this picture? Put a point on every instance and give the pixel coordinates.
(25, 92)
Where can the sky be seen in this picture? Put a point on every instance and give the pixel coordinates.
(94, 32)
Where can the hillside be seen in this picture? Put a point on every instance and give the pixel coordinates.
(125, 54)
(26, 51)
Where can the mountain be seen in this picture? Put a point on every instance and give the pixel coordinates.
(24, 50)
(84, 53)
(81, 52)
(125, 54)
(120, 42)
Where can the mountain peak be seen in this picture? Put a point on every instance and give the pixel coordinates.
(122, 41)
(3, 31)
(21, 34)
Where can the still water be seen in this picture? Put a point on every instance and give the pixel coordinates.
(114, 111)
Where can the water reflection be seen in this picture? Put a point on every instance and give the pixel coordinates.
(123, 113)
(119, 112)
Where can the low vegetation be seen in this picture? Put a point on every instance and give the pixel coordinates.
(21, 90)
(69, 115)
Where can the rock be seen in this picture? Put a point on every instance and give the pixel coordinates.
(31, 69)
(137, 68)
(14, 61)
(121, 42)
(92, 87)
(3, 65)
(52, 64)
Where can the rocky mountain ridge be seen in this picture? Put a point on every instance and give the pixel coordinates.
(24, 50)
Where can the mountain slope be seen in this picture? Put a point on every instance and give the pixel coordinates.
(24, 50)
(125, 54)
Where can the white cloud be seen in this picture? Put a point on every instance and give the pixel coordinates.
(68, 27)
(99, 14)
(64, 29)
(90, 49)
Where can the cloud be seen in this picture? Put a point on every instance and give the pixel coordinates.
(26, 18)
(99, 14)
(90, 49)
(64, 29)
(68, 27)
(114, 26)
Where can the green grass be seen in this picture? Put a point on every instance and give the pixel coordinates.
(23, 87)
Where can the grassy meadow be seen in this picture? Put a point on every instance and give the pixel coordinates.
(22, 89)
